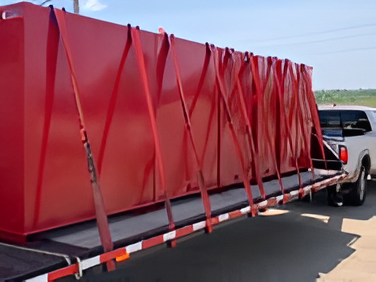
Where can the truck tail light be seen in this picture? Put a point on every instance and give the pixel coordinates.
(343, 154)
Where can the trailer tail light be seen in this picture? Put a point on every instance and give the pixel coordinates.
(343, 154)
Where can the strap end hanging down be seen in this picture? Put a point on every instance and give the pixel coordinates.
(101, 216)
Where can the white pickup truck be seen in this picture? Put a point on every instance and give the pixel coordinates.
(351, 133)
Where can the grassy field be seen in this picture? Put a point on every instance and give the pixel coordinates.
(366, 97)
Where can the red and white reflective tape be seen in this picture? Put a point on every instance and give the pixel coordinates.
(199, 226)
(223, 217)
(169, 236)
(91, 262)
(245, 210)
(122, 254)
(294, 194)
(134, 247)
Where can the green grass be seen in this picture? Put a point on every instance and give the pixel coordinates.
(366, 97)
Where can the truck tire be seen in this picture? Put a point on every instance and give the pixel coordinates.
(359, 190)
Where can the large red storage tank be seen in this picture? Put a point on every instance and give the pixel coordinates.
(44, 182)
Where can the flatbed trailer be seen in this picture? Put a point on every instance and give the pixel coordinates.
(115, 140)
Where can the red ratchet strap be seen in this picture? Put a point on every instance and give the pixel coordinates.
(200, 175)
(295, 91)
(160, 71)
(103, 228)
(301, 121)
(289, 75)
(296, 111)
(307, 115)
(307, 74)
(313, 114)
(246, 61)
(113, 99)
(213, 109)
(135, 32)
(306, 138)
(274, 103)
(161, 61)
(260, 98)
(246, 182)
(280, 80)
(202, 78)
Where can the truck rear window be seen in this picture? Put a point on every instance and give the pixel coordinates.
(331, 119)
(339, 119)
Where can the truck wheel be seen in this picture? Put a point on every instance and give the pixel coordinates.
(359, 192)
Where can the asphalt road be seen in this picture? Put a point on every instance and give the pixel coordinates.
(295, 242)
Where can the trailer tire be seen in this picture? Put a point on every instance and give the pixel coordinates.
(359, 190)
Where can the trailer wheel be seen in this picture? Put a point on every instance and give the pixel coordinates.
(359, 190)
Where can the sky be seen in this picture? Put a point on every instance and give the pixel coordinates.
(336, 37)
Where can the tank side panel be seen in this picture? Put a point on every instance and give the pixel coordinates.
(12, 126)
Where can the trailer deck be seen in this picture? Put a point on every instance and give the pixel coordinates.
(55, 250)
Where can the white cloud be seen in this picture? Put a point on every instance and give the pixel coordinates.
(94, 5)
